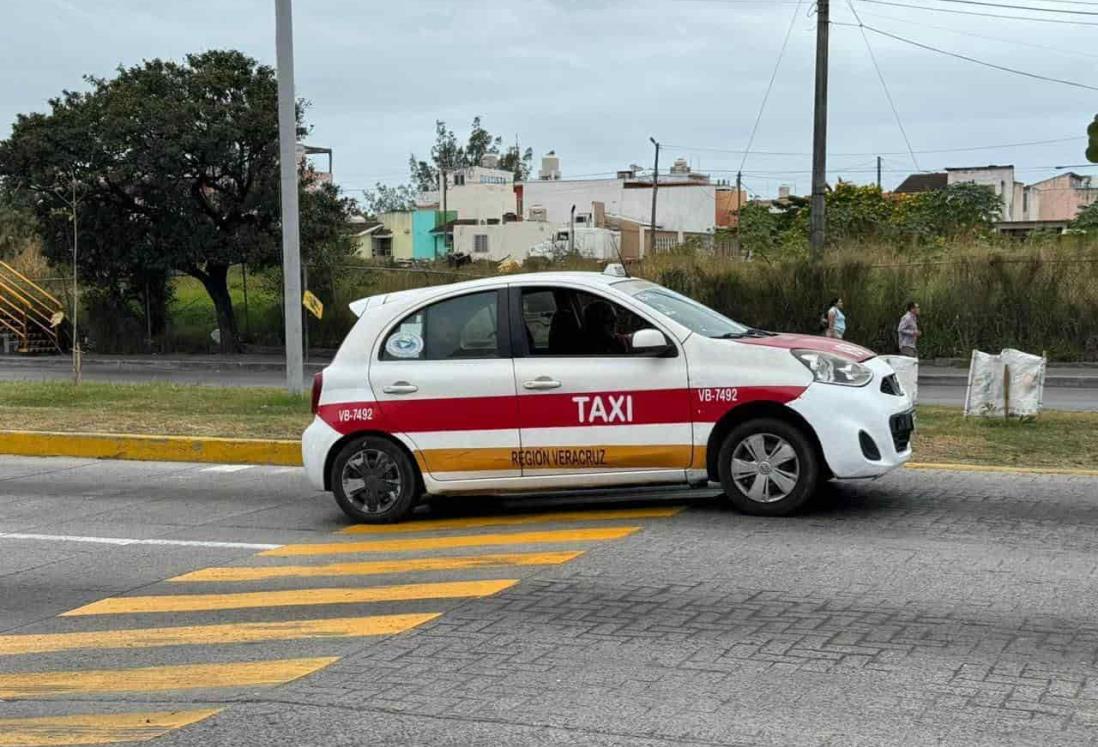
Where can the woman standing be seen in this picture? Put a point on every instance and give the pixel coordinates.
(836, 319)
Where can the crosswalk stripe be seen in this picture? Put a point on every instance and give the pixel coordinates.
(342, 627)
(290, 598)
(443, 543)
(430, 525)
(95, 728)
(150, 679)
(375, 567)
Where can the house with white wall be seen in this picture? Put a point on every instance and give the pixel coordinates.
(1011, 193)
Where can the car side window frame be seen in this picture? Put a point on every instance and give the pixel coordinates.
(520, 346)
(504, 347)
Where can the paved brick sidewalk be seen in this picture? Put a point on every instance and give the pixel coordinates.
(925, 608)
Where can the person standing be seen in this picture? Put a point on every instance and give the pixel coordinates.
(836, 319)
(908, 332)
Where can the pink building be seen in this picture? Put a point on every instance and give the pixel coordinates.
(1059, 198)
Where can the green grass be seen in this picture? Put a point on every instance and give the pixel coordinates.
(1056, 439)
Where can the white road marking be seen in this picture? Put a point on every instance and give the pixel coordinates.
(228, 468)
(129, 541)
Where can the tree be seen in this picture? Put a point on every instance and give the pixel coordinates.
(385, 199)
(17, 226)
(447, 154)
(177, 170)
(1087, 219)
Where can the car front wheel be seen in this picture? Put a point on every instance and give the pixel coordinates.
(374, 481)
(768, 467)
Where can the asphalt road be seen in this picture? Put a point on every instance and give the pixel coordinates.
(952, 394)
(229, 606)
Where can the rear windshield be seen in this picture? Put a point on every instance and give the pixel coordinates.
(686, 311)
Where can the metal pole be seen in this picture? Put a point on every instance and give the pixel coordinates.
(819, 134)
(655, 188)
(572, 232)
(75, 292)
(878, 172)
(739, 216)
(291, 238)
(445, 217)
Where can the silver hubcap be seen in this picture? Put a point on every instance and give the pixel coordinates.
(765, 467)
(371, 481)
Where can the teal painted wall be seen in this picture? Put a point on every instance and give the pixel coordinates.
(423, 243)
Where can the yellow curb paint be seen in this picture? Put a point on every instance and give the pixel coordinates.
(95, 728)
(291, 598)
(446, 543)
(431, 525)
(947, 467)
(154, 679)
(370, 568)
(151, 448)
(341, 627)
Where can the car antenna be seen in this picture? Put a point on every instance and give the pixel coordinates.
(621, 259)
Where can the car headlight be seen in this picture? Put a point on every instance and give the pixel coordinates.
(832, 369)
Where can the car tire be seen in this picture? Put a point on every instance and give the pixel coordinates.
(768, 467)
(374, 481)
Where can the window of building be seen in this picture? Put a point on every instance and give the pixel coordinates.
(459, 180)
(480, 243)
(383, 247)
(457, 328)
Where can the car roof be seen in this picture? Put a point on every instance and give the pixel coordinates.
(594, 279)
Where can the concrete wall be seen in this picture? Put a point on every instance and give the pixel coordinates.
(481, 202)
(424, 243)
(999, 178)
(512, 240)
(679, 207)
(727, 206)
(1060, 198)
(400, 225)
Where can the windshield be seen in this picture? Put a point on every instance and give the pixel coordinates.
(686, 311)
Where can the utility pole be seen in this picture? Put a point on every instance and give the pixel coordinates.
(75, 295)
(291, 237)
(739, 217)
(655, 188)
(878, 173)
(445, 217)
(819, 133)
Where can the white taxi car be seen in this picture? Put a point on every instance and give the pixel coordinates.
(555, 381)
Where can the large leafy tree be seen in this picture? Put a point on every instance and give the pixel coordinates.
(176, 170)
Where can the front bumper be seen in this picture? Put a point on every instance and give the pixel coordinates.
(316, 443)
(841, 414)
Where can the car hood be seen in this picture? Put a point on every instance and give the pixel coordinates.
(813, 342)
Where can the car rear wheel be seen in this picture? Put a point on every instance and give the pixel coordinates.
(374, 481)
(768, 467)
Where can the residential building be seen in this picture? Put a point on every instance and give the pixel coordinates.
(685, 203)
(390, 237)
(1011, 193)
(1059, 198)
(923, 183)
(728, 205)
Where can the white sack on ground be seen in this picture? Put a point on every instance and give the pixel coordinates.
(990, 394)
(1026, 384)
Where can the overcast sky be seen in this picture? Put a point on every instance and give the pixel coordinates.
(593, 79)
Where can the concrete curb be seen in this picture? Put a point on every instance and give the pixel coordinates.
(151, 448)
(287, 453)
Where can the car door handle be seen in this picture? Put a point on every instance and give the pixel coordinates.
(400, 387)
(541, 382)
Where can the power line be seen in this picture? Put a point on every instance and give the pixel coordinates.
(887, 153)
(888, 95)
(770, 85)
(1022, 7)
(959, 56)
(978, 13)
(1049, 48)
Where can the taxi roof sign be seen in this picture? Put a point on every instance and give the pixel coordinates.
(615, 270)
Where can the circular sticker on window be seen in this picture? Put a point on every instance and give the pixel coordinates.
(404, 345)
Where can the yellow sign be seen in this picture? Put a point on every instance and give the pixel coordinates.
(313, 304)
(57, 318)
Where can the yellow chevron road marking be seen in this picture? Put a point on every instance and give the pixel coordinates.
(93, 728)
(342, 627)
(151, 679)
(290, 598)
(430, 525)
(375, 567)
(444, 543)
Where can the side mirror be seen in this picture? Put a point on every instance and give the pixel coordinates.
(650, 342)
